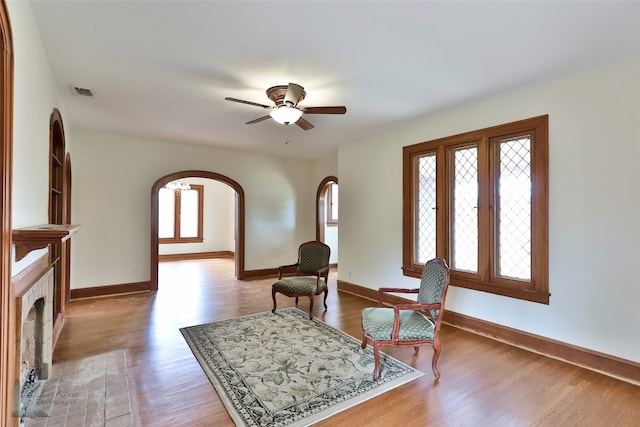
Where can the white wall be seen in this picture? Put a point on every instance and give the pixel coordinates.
(594, 227)
(594, 121)
(112, 180)
(35, 97)
(218, 217)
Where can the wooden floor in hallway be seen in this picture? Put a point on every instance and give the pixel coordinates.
(483, 383)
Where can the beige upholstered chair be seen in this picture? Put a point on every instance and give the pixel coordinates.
(311, 275)
(409, 325)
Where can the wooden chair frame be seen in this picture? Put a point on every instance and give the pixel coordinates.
(320, 274)
(394, 341)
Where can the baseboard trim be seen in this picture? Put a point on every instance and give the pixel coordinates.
(613, 366)
(368, 293)
(105, 291)
(196, 255)
(260, 274)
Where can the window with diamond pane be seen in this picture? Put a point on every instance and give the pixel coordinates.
(425, 241)
(514, 213)
(490, 186)
(464, 224)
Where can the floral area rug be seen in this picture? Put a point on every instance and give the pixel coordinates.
(283, 369)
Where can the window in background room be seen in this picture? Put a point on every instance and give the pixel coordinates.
(480, 200)
(332, 204)
(180, 214)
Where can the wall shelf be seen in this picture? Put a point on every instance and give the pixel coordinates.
(39, 236)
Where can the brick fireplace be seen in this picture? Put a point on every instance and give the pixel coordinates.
(34, 336)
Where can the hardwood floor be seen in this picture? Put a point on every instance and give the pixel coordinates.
(483, 383)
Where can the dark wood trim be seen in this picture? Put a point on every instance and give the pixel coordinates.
(320, 200)
(604, 363)
(104, 291)
(57, 207)
(7, 302)
(196, 255)
(368, 293)
(590, 359)
(66, 218)
(239, 220)
(28, 239)
(29, 275)
(486, 279)
(261, 274)
(58, 324)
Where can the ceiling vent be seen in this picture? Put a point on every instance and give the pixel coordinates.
(81, 91)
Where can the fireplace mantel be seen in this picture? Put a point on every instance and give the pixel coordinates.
(39, 236)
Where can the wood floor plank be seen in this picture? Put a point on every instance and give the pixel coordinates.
(483, 383)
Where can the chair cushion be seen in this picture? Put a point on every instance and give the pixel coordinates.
(378, 322)
(299, 285)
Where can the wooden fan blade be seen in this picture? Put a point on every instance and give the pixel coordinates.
(242, 101)
(304, 124)
(294, 92)
(324, 110)
(259, 119)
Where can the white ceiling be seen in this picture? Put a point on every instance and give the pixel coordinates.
(161, 69)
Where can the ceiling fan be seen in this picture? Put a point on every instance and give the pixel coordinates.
(286, 110)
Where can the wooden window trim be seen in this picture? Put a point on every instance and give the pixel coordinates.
(537, 289)
(331, 221)
(176, 220)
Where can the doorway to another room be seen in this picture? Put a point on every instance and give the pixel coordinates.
(197, 217)
(327, 216)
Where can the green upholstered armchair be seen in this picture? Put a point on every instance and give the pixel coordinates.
(311, 275)
(409, 325)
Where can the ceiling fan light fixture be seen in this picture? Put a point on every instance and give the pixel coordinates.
(285, 114)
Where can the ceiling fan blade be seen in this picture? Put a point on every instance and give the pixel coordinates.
(259, 119)
(304, 124)
(294, 92)
(324, 110)
(242, 101)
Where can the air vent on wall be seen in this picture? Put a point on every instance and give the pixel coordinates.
(81, 91)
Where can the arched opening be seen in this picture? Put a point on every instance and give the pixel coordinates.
(7, 341)
(326, 223)
(58, 214)
(239, 219)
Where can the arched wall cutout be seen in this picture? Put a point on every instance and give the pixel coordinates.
(239, 218)
(321, 194)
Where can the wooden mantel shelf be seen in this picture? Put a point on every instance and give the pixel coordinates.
(39, 236)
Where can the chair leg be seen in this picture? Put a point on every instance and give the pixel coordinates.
(296, 301)
(364, 341)
(436, 356)
(273, 295)
(326, 294)
(310, 306)
(376, 358)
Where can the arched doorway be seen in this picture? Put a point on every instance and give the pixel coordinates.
(239, 209)
(7, 337)
(326, 221)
